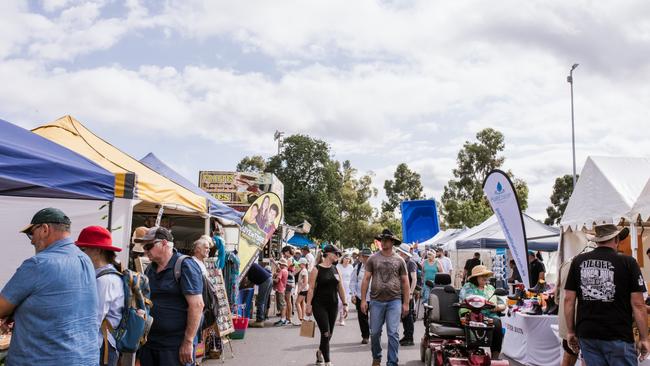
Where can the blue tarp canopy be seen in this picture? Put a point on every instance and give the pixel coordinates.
(216, 208)
(298, 240)
(32, 166)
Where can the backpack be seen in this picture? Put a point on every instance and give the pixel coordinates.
(131, 332)
(210, 305)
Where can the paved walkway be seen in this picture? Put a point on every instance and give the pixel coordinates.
(284, 346)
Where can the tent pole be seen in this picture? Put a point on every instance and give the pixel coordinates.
(109, 224)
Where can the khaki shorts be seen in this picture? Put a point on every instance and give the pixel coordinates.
(280, 300)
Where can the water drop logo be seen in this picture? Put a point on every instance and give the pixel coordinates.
(499, 188)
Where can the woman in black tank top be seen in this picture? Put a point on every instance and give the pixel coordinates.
(322, 300)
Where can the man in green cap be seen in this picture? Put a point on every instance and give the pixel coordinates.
(53, 298)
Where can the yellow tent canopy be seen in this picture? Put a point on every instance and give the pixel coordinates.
(150, 186)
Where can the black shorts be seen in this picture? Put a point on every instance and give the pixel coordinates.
(303, 293)
(567, 349)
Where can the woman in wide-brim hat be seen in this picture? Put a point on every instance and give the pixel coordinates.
(97, 243)
(477, 284)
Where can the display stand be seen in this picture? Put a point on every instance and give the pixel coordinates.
(224, 326)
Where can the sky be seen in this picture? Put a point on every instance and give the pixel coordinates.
(204, 83)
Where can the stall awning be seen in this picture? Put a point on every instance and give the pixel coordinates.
(216, 208)
(151, 186)
(609, 189)
(32, 166)
(298, 240)
(488, 235)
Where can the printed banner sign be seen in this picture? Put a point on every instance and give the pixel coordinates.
(261, 220)
(502, 196)
(239, 189)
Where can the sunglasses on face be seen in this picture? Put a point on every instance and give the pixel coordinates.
(150, 245)
(30, 234)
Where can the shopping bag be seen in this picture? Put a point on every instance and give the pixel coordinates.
(307, 328)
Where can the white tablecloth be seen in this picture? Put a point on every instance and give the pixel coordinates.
(529, 339)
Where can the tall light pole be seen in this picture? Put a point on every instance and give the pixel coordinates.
(569, 79)
(277, 136)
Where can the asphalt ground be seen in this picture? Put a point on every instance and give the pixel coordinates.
(283, 346)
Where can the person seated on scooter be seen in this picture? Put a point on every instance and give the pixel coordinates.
(477, 284)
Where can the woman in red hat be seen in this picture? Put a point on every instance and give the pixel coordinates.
(96, 242)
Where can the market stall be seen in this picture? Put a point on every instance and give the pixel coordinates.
(155, 194)
(37, 173)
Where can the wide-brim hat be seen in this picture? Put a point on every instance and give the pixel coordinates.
(405, 249)
(607, 232)
(283, 262)
(96, 237)
(387, 234)
(479, 271)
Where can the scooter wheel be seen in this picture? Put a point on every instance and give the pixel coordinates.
(428, 357)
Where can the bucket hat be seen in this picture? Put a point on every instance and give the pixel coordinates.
(480, 270)
(96, 237)
(606, 232)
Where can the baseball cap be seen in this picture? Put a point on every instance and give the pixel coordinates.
(156, 232)
(48, 215)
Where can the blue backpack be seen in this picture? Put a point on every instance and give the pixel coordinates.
(136, 321)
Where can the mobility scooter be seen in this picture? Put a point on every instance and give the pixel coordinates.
(449, 340)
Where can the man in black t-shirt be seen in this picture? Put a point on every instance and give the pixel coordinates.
(470, 264)
(537, 269)
(609, 288)
(408, 321)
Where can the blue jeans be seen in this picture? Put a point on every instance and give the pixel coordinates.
(597, 352)
(426, 290)
(389, 312)
(263, 292)
(113, 356)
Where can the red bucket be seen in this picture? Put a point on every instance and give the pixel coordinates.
(240, 325)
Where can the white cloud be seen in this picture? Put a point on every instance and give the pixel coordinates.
(383, 82)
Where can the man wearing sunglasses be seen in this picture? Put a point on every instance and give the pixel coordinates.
(178, 304)
(53, 298)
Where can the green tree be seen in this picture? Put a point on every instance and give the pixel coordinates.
(463, 201)
(312, 184)
(356, 211)
(406, 186)
(252, 164)
(562, 190)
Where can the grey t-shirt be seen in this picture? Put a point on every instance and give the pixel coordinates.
(386, 272)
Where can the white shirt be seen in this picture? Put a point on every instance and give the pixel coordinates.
(204, 270)
(310, 261)
(356, 280)
(110, 301)
(346, 273)
(447, 266)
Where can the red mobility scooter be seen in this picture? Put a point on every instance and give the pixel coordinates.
(451, 341)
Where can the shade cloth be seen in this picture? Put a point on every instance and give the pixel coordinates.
(216, 208)
(32, 166)
(530, 340)
(151, 186)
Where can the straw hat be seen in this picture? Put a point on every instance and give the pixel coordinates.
(283, 262)
(479, 271)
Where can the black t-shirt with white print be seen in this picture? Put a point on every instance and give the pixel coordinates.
(603, 281)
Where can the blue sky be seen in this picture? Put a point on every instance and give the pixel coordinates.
(204, 83)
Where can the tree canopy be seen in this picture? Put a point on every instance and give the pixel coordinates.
(406, 186)
(252, 164)
(463, 201)
(562, 190)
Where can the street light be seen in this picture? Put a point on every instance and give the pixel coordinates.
(569, 79)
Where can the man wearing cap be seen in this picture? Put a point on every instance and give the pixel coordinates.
(537, 269)
(53, 298)
(177, 304)
(355, 291)
(389, 296)
(311, 260)
(609, 288)
(408, 322)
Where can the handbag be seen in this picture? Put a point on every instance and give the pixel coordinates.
(307, 328)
